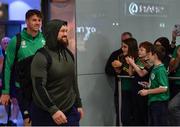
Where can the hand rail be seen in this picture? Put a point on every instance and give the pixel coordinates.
(131, 77)
(127, 76)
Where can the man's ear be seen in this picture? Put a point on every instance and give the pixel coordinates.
(27, 22)
(155, 55)
(147, 56)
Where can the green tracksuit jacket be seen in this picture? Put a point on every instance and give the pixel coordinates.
(29, 46)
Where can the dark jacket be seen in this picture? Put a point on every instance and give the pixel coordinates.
(109, 70)
(54, 88)
(114, 56)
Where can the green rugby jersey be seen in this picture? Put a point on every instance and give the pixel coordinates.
(158, 77)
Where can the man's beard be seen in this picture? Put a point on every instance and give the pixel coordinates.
(63, 43)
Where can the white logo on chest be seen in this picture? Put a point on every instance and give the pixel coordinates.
(43, 42)
(23, 44)
(152, 76)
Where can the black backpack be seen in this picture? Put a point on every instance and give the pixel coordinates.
(21, 70)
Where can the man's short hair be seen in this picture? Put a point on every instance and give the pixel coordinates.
(32, 12)
(127, 33)
(159, 51)
(147, 45)
(5, 39)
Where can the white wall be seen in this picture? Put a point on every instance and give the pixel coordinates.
(99, 25)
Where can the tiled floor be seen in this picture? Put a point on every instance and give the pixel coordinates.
(3, 116)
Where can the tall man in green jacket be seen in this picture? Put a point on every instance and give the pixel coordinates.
(31, 40)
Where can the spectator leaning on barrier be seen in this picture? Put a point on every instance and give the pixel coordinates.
(140, 69)
(109, 70)
(121, 67)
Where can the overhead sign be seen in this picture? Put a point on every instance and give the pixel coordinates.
(145, 9)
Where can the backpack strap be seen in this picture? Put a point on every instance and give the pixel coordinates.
(71, 54)
(48, 57)
(18, 44)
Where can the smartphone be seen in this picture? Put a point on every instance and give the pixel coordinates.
(144, 84)
(177, 29)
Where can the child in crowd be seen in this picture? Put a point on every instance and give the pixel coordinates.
(129, 48)
(109, 70)
(158, 92)
(140, 69)
(163, 41)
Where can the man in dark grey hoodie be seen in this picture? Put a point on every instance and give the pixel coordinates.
(56, 99)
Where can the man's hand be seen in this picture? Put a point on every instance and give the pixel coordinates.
(130, 60)
(174, 34)
(143, 92)
(178, 53)
(59, 117)
(116, 64)
(5, 98)
(80, 110)
(27, 122)
(144, 84)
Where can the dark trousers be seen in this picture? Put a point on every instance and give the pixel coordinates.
(174, 89)
(158, 113)
(116, 103)
(140, 110)
(126, 108)
(140, 105)
(174, 110)
(24, 103)
(43, 118)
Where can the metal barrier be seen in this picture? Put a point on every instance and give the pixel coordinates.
(131, 77)
(174, 78)
(126, 76)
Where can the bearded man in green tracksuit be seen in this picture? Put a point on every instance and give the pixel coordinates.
(31, 40)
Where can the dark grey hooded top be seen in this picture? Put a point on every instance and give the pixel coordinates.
(54, 88)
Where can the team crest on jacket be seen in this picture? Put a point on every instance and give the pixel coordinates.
(23, 44)
(152, 76)
(43, 41)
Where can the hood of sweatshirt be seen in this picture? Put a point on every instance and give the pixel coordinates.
(51, 32)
